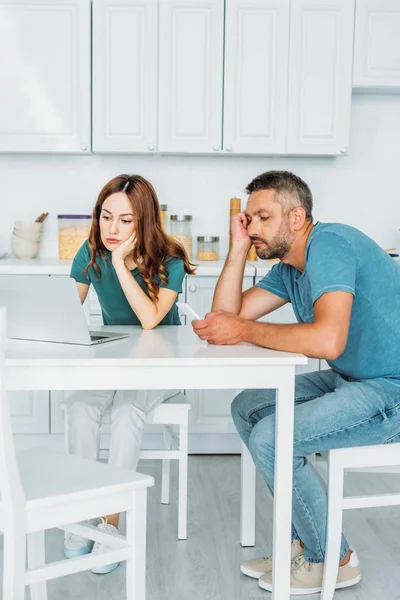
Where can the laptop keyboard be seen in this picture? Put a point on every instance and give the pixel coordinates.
(95, 338)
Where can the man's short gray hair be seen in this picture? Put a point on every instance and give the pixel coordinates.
(290, 189)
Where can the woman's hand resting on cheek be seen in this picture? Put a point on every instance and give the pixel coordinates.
(221, 327)
(124, 250)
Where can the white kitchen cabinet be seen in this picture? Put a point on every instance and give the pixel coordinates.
(125, 64)
(45, 76)
(255, 76)
(377, 44)
(191, 37)
(210, 412)
(320, 76)
(29, 412)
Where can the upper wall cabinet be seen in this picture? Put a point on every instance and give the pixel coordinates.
(125, 62)
(255, 76)
(45, 76)
(377, 44)
(191, 37)
(320, 76)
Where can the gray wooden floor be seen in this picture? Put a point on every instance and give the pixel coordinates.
(206, 566)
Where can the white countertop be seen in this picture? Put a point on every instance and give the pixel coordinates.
(55, 266)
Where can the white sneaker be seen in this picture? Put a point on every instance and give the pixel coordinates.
(76, 545)
(259, 566)
(306, 578)
(99, 547)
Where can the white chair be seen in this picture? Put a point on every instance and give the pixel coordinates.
(173, 412)
(376, 458)
(42, 490)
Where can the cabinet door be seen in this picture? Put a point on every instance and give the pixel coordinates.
(320, 76)
(190, 75)
(284, 315)
(45, 68)
(211, 408)
(377, 44)
(125, 47)
(255, 76)
(29, 412)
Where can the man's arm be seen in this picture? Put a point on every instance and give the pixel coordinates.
(257, 302)
(228, 291)
(325, 337)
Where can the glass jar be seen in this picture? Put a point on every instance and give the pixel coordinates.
(181, 230)
(207, 248)
(73, 230)
(163, 215)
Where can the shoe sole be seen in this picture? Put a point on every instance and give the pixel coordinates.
(304, 592)
(76, 553)
(105, 569)
(253, 574)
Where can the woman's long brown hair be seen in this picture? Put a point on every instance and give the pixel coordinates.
(152, 245)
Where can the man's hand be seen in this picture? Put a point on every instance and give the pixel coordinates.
(221, 327)
(124, 250)
(239, 230)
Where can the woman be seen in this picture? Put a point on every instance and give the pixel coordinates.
(137, 271)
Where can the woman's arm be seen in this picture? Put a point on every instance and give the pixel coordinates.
(148, 312)
(83, 290)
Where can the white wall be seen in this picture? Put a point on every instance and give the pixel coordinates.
(361, 189)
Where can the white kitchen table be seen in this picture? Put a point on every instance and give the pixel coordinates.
(175, 358)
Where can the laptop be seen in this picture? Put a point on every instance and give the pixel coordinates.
(47, 309)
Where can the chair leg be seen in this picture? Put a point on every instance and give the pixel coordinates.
(334, 529)
(136, 539)
(166, 472)
(183, 482)
(37, 558)
(66, 431)
(14, 561)
(248, 499)
(312, 459)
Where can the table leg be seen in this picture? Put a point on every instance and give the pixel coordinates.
(284, 419)
(247, 499)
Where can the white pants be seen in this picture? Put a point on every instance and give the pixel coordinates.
(129, 410)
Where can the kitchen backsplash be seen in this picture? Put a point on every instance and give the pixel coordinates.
(360, 189)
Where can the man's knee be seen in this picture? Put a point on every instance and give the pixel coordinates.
(262, 440)
(248, 401)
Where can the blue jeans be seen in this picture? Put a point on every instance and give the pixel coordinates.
(331, 411)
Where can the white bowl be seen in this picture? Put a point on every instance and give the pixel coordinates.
(28, 226)
(24, 248)
(31, 236)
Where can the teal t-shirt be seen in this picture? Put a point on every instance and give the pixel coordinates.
(114, 305)
(339, 257)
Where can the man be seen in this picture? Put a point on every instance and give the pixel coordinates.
(345, 292)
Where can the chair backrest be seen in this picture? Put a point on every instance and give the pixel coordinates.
(11, 491)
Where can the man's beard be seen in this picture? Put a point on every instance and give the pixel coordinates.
(279, 247)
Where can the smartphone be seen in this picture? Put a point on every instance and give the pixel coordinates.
(188, 311)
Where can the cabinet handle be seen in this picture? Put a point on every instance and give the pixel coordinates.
(151, 147)
(192, 287)
(83, 147)
(228, 148)
(216, 148)
(344, 150)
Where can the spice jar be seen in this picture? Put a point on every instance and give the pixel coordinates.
(207, 248)
(181, 231)
(73, 230)
(163, 215)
